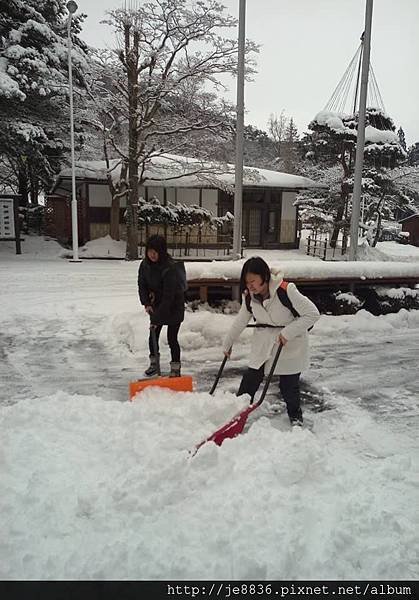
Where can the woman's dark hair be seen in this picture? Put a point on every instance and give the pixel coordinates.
(257, 266)
(158, 243)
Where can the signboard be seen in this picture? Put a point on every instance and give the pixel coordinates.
(7, 218)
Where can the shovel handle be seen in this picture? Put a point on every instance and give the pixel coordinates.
(220, 370)
(155, 350)
(268, 379)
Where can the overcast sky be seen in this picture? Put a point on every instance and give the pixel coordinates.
(306, 46)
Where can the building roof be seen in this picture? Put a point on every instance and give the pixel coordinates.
(178, 171)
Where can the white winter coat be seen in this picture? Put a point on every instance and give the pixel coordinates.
(294, 357)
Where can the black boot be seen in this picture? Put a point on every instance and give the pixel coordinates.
(174, 369)
(152, 368)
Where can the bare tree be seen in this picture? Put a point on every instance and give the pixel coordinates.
(277, 127)
(168, 52)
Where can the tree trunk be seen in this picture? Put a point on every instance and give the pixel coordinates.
(116, 203)
(379, 218)
(338, 219)
(344, 194)
(23, 186)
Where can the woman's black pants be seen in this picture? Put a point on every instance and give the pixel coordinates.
(289, 386)
(172, 333)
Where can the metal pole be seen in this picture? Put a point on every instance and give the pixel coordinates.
(238, 180)
(72, 7)
(359, 160)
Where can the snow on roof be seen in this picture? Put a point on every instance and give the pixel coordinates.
(180, 171)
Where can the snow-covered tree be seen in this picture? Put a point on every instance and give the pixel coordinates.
(333, 140)
(33, 89)
(413, 154)
(402, 138)
(158, 84)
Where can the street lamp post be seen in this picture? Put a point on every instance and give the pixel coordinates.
(238, 181)
(72, 7)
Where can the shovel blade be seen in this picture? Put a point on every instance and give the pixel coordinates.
(178, 384)
(230, 430)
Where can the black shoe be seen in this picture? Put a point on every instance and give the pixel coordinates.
(297, 422)
(152, 368)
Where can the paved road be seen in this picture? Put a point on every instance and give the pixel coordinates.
(37, 358)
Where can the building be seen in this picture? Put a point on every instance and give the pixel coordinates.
(270, 218)
(411, 225)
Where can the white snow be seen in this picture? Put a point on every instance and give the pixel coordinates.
(378, 136)
(8, 87)
(165, 166)
(96, 487)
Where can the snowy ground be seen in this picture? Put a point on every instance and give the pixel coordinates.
(96, 487)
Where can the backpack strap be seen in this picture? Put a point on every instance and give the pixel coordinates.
(284, 298)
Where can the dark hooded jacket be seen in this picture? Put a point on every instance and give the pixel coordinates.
(159, 287)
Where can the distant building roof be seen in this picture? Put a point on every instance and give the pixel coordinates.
(179, 171)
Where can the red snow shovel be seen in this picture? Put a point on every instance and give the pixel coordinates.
(178, 384)
(234, 427)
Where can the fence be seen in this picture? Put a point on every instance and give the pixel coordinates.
(317, 247)
(190, 243)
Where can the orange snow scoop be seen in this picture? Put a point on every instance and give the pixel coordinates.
(236, 425)
(178, 384)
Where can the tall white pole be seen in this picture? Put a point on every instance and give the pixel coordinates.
(359, 159)
(238, 180)
(72, 7)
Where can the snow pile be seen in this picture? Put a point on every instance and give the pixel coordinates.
(404, 252)
(96, 487)
(104, 247)
(109, 491)
(33, 248)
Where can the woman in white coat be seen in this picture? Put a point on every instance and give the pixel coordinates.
(277, 324)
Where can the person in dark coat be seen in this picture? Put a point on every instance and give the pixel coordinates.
(162, 296)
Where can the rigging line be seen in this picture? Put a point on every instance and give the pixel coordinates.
(336, 92)
(346, 89)
(345, 85)
(378, 89)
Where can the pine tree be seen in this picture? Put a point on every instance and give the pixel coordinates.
(333, 141)
(289, 147)
(33, 89)
(402, 138)
(413, 154)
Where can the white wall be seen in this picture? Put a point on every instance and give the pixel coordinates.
(288, 217)
(99, 195)
(210, 201)
(288, 210)
(187, 196)
(157, 192)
